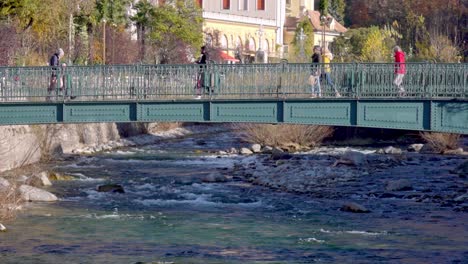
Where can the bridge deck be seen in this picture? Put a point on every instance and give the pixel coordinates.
(436, 95)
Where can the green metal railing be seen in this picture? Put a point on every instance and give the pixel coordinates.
(227, 81)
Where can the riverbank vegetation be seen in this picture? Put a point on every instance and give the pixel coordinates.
(282, 135)
(441, 142)
(10, 201)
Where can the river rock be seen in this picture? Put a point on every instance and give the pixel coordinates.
(392, 150)
(39, 180)
(114, 188)
(427, 149)
(214, 177)
(415, 147)
(2, 228)
(222, 152)
(354, 208)
(353, 158)
(458, 151)
(245, 151)
(256, 148)
(267, 150)
(292, 147)
(399, 185)
(55, 176)
(4, 183)
(277, 153)
(33, 194)
(22, 178)
(233, 151)
(461, 170)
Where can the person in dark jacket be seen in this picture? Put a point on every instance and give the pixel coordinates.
(314, 78)
(400, 69)
(201, 73)
(54, 63)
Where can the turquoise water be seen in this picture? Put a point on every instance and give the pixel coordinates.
(169, 215)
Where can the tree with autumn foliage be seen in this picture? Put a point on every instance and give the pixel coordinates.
(419, 20)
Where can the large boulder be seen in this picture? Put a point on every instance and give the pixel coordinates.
(399, 185)
(267, 150)
(354, 158)
(214, 177)
(39, 180)
(33, 194)
(114, 188)
(245, 151)
(256, 148)
(354, 208)
(278, 154)
(392, 150)
(415, 147)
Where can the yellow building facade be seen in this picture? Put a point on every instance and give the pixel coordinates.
(241, 28)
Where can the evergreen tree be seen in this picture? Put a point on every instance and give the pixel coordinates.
(337, 9)
(145, 11)
(323, 7)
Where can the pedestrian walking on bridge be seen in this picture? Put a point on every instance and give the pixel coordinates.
(400, 70)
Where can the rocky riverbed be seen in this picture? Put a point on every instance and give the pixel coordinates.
(216, 198)
(362, 176)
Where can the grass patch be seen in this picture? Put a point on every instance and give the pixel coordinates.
(441, 142)
(285, 135)
(10, 200)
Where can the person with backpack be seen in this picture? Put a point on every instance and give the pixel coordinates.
(54, 62)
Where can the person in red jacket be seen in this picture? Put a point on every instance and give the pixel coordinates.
(400, 69)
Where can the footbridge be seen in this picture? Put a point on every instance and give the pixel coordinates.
(435, 97)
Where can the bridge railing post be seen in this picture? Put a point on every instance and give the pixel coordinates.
(355, 80)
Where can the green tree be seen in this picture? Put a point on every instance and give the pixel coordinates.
(144, 12)
(94, 13)
(375, 48)
(337, 9)
(323, 7)
(176, 31)
(308, 41)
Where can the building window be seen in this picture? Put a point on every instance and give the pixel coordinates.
(244, 5)
(227, 4)
(260, 4)
(200, 3)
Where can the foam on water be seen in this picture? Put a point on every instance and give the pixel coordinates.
(311, 240)
(194, 200)
(82, 177)
(355, 232)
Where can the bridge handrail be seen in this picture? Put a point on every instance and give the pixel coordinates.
(218, 81)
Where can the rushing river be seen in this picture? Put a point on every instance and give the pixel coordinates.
(169, 215)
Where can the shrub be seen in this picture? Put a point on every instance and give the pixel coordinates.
(441, 142)
(10, 200)
(162, 126)
(285, 134)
